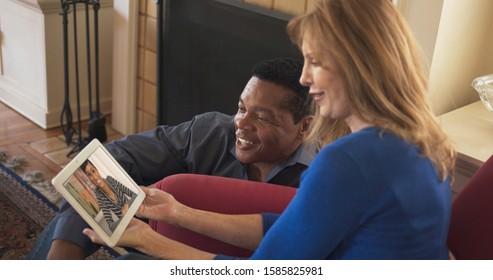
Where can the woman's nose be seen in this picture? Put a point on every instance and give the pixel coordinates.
(306, 78)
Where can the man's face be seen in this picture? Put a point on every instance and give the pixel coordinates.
(265, 133)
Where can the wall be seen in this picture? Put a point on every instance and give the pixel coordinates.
(424, 18)
(456, 38)
(125, 65)
(31, 70)
(22, 71)
(462, 53)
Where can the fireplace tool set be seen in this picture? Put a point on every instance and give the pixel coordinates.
(96, 124)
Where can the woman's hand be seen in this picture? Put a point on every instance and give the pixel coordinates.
(139, 235)
(131, 237)
(159, 205)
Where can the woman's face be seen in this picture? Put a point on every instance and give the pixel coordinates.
(93, 174)
(326, 86)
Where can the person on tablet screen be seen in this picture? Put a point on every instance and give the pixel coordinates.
(113, 197)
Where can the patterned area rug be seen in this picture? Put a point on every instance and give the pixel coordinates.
(34, 178)
(24, 214)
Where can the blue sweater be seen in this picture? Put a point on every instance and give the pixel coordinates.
(365, 196)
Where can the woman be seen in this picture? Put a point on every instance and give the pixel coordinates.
(381, 192)
(113, 197)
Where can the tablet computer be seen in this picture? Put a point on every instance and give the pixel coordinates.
(100, 190)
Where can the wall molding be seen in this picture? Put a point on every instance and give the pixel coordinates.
(53, 6)
(125, 40)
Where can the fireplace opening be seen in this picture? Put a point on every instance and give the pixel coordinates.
(206, 49)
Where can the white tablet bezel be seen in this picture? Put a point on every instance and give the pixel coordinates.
(106, 164)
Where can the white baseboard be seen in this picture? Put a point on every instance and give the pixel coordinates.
(46, 118)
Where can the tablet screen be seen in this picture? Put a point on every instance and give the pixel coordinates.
(100, 190)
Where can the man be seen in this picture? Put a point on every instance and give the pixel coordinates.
(262, 142)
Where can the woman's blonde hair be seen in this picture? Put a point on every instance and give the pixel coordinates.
(383, 71)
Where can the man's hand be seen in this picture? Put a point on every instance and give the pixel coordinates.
(64, 250)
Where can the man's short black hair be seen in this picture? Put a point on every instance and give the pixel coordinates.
(286, 72)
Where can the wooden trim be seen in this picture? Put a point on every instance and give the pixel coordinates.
(125, 49)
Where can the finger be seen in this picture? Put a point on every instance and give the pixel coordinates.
(153, 186)
(95, 238)
(141, 211)
(147, 191)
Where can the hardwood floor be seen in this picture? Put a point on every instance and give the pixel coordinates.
(43, 150)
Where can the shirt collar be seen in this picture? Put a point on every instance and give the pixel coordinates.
(303, 155)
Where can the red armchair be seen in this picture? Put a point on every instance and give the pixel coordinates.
(471, 225)
(223, 195)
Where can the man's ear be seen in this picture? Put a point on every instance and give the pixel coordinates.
(305, 125)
